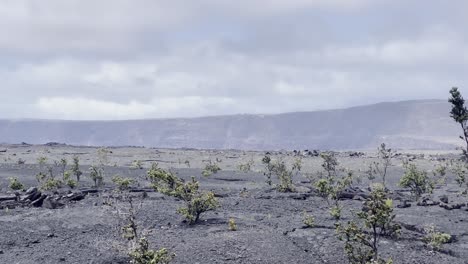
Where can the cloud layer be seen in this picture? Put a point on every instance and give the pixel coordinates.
(125, 59)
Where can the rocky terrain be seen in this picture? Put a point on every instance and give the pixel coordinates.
(81, 225)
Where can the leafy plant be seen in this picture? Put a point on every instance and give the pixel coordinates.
(15, 184)
(459, 113)
(416, 180)
(308, 220)
(232, 224)
(246, 167)
(196, 201)
(68, 180)
(435, 239)
(362, 241)
(75, 168)
(47, 179)
(96, 175)
(139, 248)
(50, 183)
(210, 168)
(122, 183)
(333, 183)
(269, 168)
(137, 164)
(380, 168)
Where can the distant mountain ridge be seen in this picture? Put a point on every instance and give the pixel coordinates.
(420, 124)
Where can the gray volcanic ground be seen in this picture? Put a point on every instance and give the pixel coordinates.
(270, 228)
(421, 124)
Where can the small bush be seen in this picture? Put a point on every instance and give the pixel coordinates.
(210, 168)
(15, 184)
(269, 168)
(139, 248)
(381, 167)
(333, 184)
(122, 183)
(246, 167)
(75, 168)
(416, 180)
(51, 184)
(308, 220)
(335, 212)
(362, 241)
(281, 171)
(137, 164)
(232, 224)
(435, 239)
(142, 254)
(96, 175)
(71, 183)
(196, 201)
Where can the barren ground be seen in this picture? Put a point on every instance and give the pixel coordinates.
(270, 228)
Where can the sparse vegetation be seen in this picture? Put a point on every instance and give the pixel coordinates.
(96, 175)
(381, 167)
(308, 220)
(362, 240)
(416, 180)
(211, 168)
(269, 168)
(331, 186)
(246, 167)
(15, 184)
(75, 168)
(459, 113)
(196, 201)
(435, 239)
(137, 164)
(139, 248)
(122, 183)
(232, 224)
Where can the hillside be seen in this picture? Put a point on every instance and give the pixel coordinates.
(407, 125)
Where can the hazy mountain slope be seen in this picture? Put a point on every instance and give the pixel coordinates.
(409, 124)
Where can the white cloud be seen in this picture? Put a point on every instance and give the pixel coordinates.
(91, 109)
(143, 59)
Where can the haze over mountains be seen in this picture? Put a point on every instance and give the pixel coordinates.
(422, 124)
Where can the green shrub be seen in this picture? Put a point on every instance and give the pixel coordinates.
(142, 254)
(459, 113)
(75, 168)
(196, 201)
(210, 168)
(232, 224)
(381, 167)
(96, 175)
(71, 183)
(139, 249)
(308, 220)
(137, 164)
(122, 183)
(435, 239)
(416, 180)
(269, 167)
(51, 184)
(15, 184)
(281, 171)
(333, 184)
(246, 167)
(362, 241)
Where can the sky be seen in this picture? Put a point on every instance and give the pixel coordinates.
(135, 59)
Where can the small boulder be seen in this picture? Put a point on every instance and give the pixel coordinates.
(444, 199)
(38, 202)
(404, 204)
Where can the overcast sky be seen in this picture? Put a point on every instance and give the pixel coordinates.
(126, 59)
